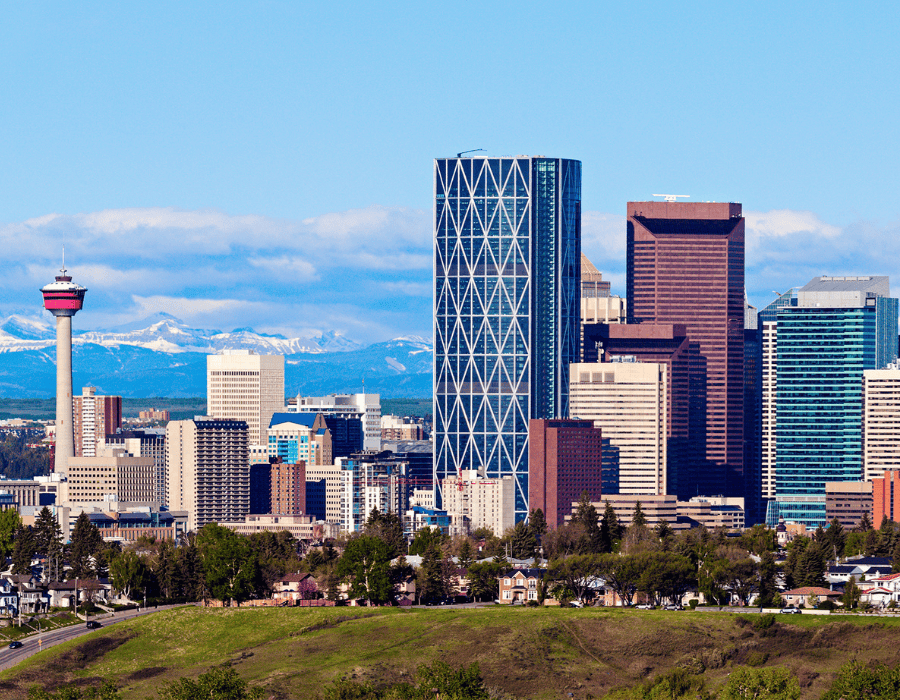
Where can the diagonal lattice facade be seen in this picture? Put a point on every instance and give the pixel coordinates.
(506, 308)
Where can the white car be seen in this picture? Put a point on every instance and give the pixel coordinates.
(644, 606)
(790, 611)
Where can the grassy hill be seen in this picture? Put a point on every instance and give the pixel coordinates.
(523, 652)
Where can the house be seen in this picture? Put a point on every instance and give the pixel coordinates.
(880, 590)
(9, 600)
(299, 586)
(801, 596)
(520, 585)
(858, 567)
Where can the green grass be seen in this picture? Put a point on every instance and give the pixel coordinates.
(523, 652)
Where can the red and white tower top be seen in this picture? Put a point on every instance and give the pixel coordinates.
(63, 297)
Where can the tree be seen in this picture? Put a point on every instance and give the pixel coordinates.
(743, 578)
(365, 565)
(425, 538)
(523, 543)
(856, 681)
(128, 574)
(610, 532)
(851, 595)
(431, 583)
(586, 516)
(758, 539)
(23, 550)
(622, 574)
(745, 683)
(538, 524)
(389, 528)
(834, 539)
(484, 579)
(865, 522)
(665, 576)
(576, 573)
(638, 519)
(166, 569)
(215, 684)
(10, 522)
(46, 529)
(84, 548)
(227, 562)
(768, 595)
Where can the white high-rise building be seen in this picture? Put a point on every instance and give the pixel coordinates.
(881, 421)
(208, 470)
(473, 501)
(241, 385)
(366, 407)
(628, 402)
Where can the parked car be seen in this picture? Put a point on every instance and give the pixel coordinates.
(576, 604)
(790, 610)
(93, 625)
(674, 606)
(645, 606)
(15, 645)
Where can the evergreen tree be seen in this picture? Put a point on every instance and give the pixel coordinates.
(768, 596)
(190, 572)
(638, 519)
(522, 543)
(610, 532)
(865, 523)
(586, 516)
(46, 530)
(166, 570)
(834, 539)
(23, 550)
(84, 548)
(538, 524)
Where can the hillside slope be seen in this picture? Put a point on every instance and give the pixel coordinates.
(523, 653)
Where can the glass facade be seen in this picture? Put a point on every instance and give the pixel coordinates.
(507, 258)
(821, 355)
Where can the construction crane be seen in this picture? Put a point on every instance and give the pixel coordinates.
(474, 150)
(672, 197)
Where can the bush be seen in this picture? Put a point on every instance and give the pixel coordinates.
(827, 605)
(693, 603)
(764, 622)
(757, 658)
(774, 683)
(532, 604)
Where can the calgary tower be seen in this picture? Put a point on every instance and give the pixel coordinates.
(63, 299)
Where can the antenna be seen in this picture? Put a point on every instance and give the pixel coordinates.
(474, 150)
(63, 269)
(672, 197)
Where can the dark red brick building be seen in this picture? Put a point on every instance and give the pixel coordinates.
(564, 460)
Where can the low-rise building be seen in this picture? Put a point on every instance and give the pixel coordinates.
(474, 501)
(301, 527)
(801, 596)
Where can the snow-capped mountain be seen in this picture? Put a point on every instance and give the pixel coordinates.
(165, 333)
(162, 356)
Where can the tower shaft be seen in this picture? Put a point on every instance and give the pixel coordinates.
(65, 437)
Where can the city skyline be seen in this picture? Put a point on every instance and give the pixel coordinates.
(231, 165)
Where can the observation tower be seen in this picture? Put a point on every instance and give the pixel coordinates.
(63, 298)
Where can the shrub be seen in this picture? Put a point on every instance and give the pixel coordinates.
(757, 658)
(693, 602)
(774, 683)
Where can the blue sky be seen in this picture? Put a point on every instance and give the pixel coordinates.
(268, 164)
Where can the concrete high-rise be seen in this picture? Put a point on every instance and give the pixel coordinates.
(881, 421)
(208, 469)
(686, 266)
(365, 407)
(507, 266)
(241, 385)
(840, 327)
(63, 298)
(94, 417)
(627, 401)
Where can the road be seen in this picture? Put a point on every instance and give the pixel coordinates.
(31, 644)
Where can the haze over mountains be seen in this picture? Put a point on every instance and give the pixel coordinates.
(162, 356)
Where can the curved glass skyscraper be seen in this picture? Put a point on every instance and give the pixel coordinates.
(506, 308)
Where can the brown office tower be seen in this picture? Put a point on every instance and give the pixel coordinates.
(93, 418)
(686, 266)
(288, 488)
(668, 345)
(563, 461)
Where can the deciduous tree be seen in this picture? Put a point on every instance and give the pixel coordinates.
(365, 565)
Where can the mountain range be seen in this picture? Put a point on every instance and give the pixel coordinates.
(162, 356)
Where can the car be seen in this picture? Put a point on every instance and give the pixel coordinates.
(15, 645)
(790, 611)
(94, 625)
(576, 604)
(673, 606)
(645, 606)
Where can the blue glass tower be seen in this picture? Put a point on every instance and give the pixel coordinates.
(839, 327)
(507, 256)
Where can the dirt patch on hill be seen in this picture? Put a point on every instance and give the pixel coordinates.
(61, 671)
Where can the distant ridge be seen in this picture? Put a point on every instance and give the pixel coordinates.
(162, 356)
